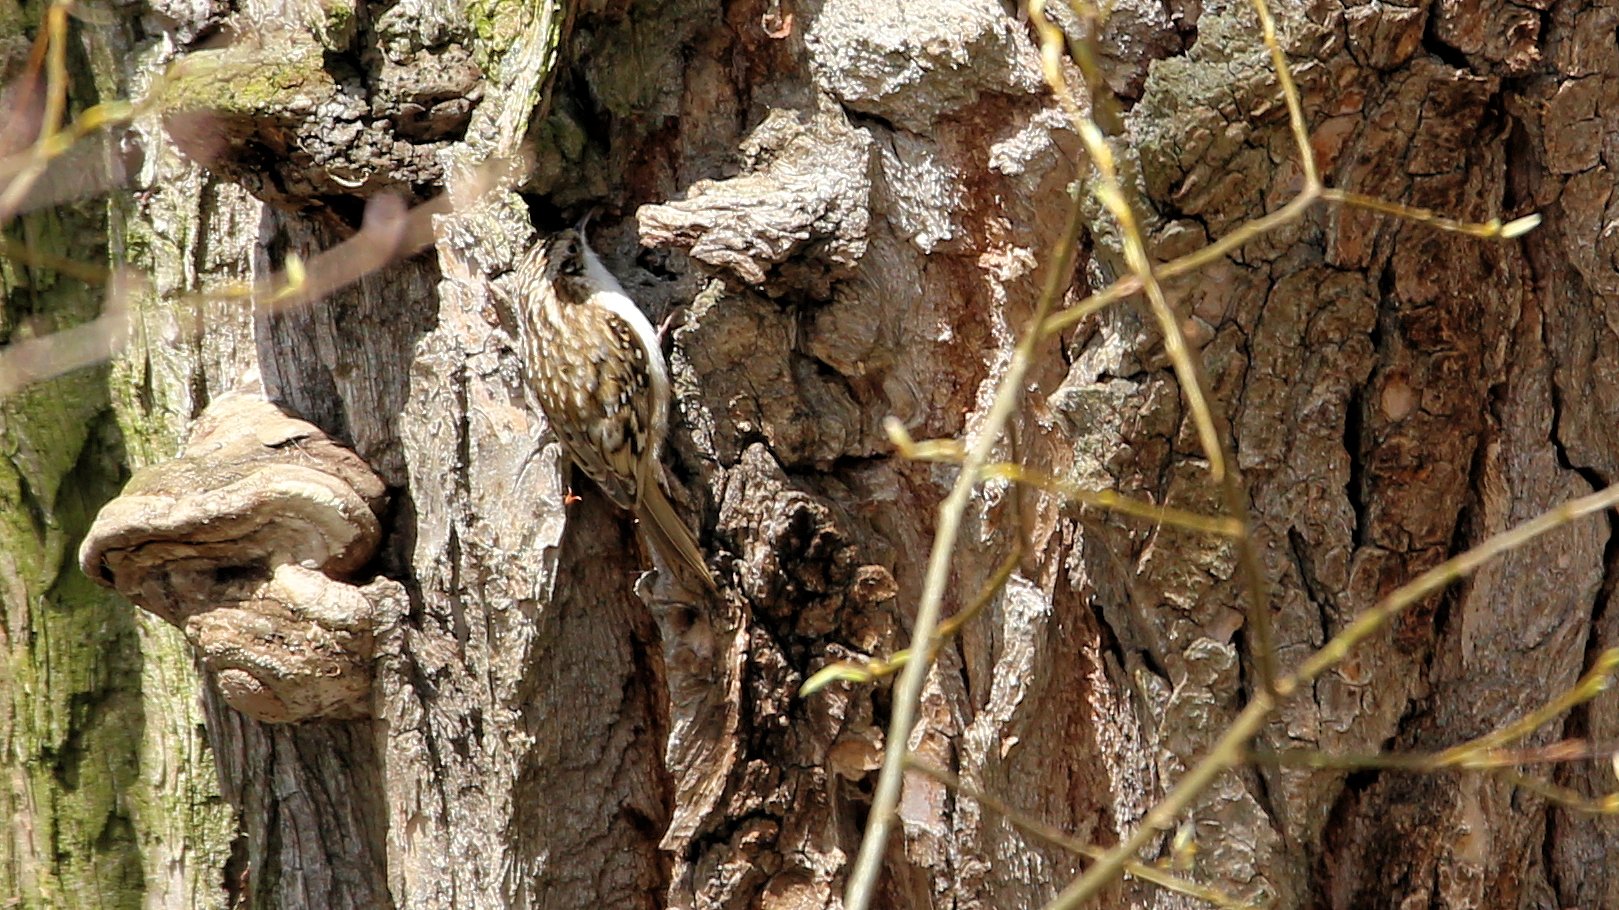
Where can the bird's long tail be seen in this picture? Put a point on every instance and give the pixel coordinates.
(669, 535)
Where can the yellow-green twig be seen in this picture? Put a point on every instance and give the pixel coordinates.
(924, 631)
(1230, 749)
(1115, 502)
(1477, 760)
(1593, 683)
(1489, 230)
(1574, 800)
(876, 668)
(1057, 837)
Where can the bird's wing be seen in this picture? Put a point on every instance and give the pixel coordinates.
(602, 410)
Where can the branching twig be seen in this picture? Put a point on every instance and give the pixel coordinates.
(877, 668)
(924, 632)
(948, 451)
(1490, 752)
(1232, 745)
(1146, 279)
(1057, 837)
(19, 173)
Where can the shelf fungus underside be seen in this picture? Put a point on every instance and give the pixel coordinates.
(248, 542)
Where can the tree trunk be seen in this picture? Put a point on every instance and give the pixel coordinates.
(844, 210)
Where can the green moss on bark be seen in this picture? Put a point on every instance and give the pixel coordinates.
(81, 749)
(70, 669)
(249, 81)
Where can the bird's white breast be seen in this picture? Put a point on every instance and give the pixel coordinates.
(610, 295)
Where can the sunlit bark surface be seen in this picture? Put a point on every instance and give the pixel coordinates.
(841, 209)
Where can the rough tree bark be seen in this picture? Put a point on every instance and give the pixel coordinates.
(845, 205)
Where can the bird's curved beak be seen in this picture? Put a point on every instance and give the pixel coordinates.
(585, 221)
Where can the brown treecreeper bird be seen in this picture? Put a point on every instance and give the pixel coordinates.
(593, 360)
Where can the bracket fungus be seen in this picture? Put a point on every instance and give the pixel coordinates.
(244, 542)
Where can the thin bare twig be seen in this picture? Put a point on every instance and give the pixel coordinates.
(1232, 745)
(948, 451)
(388, 233)
(1060, 838)
(924, 632)
(862, 883)
(872, 670)
(32, 360)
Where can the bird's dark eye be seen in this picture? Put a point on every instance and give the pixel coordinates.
(572, 262)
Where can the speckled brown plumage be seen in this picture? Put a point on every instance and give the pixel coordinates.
(592, 360)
